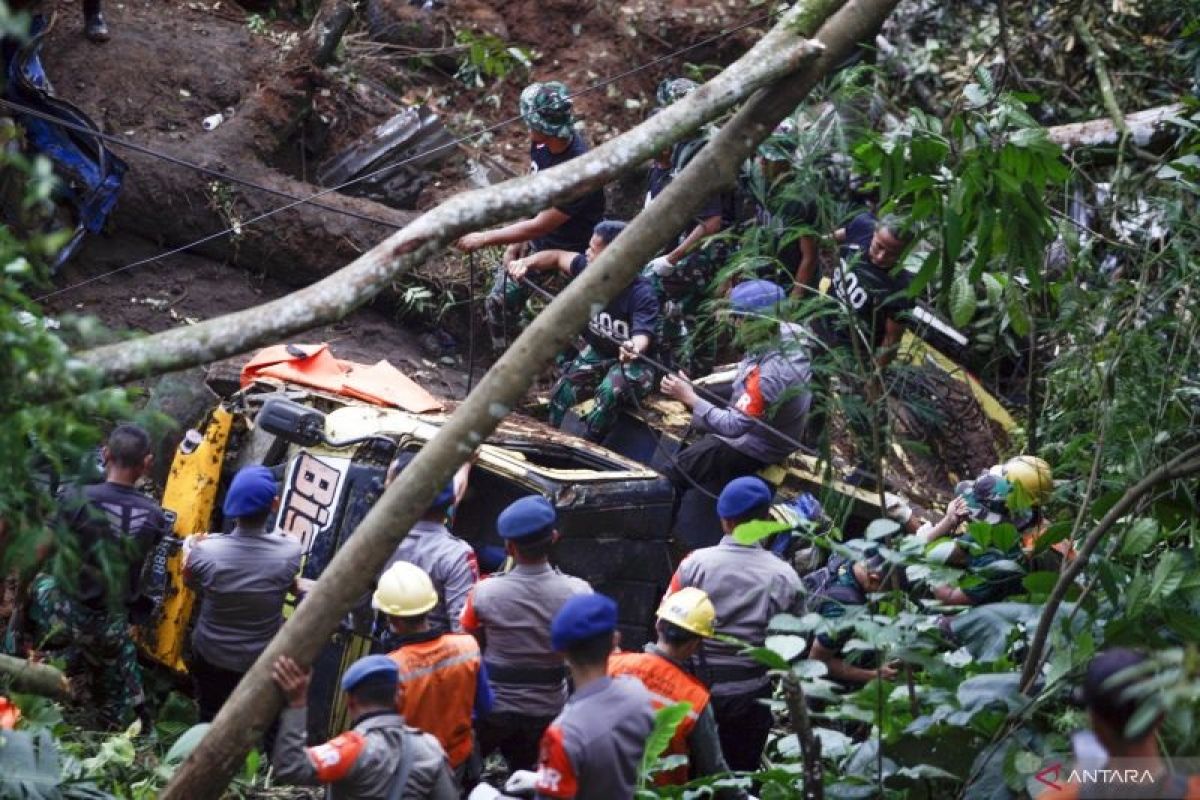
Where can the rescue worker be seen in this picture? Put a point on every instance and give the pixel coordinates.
(682, 276)
(510, 614)
(1112, 695)
(872, 291)
(553, 140)
(593, 749)
(241, 579)
(379, 757)
(448, 560)
(685, 619)
(748, 586)
(834, 590)
(611, 369)
(444, 680)
(771, 386)
(783, 220)
(86, 619)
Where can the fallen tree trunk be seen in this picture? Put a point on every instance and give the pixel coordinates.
(256, 700)
(35, 678)
(1147, 130)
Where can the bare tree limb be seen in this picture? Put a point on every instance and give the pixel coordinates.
(1144, 127)
(255, 701)
(810, 746)
(337, 295)
(35, 678)
(1098, 57)
(1183, 465)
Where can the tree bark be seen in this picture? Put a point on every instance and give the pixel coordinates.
(337, 295)
(1146, 130)
(35, 678)
(1183, 465)
(255, 701)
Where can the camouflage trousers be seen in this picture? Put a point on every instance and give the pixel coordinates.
(510, 305)
(96, 645)
(686, 338)
(612, 382)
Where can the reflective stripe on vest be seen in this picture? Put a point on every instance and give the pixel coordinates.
(668, 685)
(439, 678)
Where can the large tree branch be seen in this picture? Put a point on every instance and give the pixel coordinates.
(255, 701)
(1183, 465)
(36, 678)
(337, 295)
(1145, 129)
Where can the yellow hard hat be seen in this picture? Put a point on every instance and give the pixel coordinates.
(404, 590)
(1033, 474)
(690, 609)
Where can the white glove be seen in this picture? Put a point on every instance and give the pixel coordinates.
(521, 781)
(897, 508)
(484, 792)
(661, 266)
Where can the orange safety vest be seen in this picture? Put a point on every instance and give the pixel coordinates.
(439, 678)
(668, 685)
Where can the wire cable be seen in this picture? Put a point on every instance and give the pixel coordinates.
(453, 143)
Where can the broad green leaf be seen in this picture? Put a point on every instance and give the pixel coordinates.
(881, 529)
(1168, 576)
(962, 300)
(1140, 537)
(1040, 583)
(788, 647)
(767, 656)
(1018, 318)
(755, 531)
(1005, 536)
(186, 743)
(666, 721)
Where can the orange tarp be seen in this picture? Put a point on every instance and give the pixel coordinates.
(315, 365)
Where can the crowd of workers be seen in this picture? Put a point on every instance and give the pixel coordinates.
(527, 664)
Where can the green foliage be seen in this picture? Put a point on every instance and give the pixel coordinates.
(487, 58)
(666, 720)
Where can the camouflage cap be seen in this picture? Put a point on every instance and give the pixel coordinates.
(546, 108)
(673, 89)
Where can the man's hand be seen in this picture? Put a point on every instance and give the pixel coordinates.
(517, 269)
(629, 351)
(472, 242)
(661, 266)
(292, 680)
(678, 387)
(888, 672)
(958, 511)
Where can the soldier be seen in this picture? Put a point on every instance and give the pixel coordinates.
(546, 109)
(593, 749)
(379, 757)
(1113, 689)
(771, 385)
(445, 682)
(685, 619)
(115, 528)
(242, 579)
(448, 560)
(611, 368)
(510, 614)
(749, 586)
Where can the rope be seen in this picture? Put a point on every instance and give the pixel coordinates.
(471, 318)
(453, 143)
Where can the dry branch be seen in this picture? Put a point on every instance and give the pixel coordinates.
(255, 701)
(35, 678)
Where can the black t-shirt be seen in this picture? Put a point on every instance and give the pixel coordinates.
(116, 519)
(778, 222)
(584, 212)
(633, 311)
(873, 293)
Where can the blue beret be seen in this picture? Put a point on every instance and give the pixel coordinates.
(582, 617)
(527, 518)
(444, 498)
(743, 496)
(755, 296)
(251, 491)
(370, 669)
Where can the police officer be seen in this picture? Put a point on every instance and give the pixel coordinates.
(1112, 695)
(510, 614)
(593, 749)
(87, 620)
(685, 619)
(449, 561)
(379, 757)
(748, 586)
(444, 680)
(616, 336)
(553, 140)
(771, 385)
(242, 579)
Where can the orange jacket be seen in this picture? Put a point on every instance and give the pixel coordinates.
(439, 678)
(668, 685)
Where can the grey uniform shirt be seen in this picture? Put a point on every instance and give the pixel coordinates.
(243, 578)
(513, 612)
(773, 387)
(748, 586)
(363, 763)
(592, 751)
(451, 565)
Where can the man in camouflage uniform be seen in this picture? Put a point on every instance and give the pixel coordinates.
(86, 620)
(553, 140)
(682, 277)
